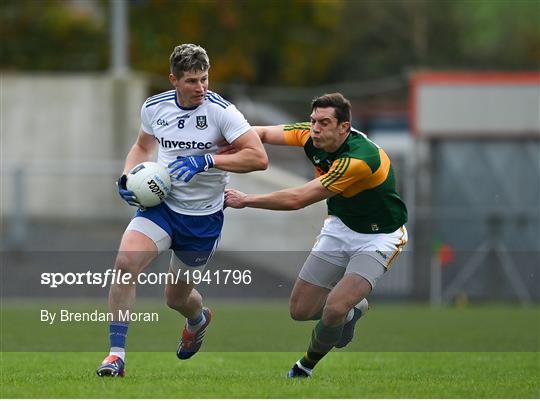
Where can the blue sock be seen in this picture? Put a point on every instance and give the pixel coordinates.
(117, 337)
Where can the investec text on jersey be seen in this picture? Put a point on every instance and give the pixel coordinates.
(184, 145)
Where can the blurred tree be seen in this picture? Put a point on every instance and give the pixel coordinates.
(501, 33)
(278, 42)
(383, 38)
(41, 35)
(248, 41)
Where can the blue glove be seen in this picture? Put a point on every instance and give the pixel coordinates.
(190, 165)
(126, 195)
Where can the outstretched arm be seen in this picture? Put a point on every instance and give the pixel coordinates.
(288, 135)
(272, 134)
(249, 155)
(286, 199)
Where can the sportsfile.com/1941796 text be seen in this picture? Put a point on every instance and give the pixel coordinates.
(114, 276)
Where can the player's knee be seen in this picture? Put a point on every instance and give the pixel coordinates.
(299, 312)
(335, 311)
(128, 262)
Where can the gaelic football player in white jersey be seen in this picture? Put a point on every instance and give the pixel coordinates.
(186, 124)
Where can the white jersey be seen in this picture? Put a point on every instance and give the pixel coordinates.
(193, 131)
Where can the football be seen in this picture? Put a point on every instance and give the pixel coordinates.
(150, 182)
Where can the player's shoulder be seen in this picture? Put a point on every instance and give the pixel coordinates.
(358, 142)
(357, 136)
(167, 96)
(217, 102)
(360, 147)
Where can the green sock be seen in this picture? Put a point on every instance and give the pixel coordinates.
(323, 339)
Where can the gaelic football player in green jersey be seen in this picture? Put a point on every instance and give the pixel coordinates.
(360, 239)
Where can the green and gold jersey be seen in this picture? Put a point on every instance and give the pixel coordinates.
(361, 175)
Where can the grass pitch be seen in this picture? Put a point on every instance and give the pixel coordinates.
(412, 352)
(262, 375)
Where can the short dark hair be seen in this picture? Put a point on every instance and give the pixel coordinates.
(188, 57)
(341, 106)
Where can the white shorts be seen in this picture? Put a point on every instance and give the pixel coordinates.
(351, 252)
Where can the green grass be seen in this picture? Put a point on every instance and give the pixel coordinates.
(409, 351)
(261, 327)
(262, 375)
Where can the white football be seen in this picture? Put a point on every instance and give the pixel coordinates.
(150, 182)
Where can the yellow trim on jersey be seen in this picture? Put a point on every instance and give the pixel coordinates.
(349, 176)
(401, 244)
(339, 167)
(296, 134)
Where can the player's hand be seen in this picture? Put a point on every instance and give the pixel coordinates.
(235, 199)
(190, 165)
(125, 194)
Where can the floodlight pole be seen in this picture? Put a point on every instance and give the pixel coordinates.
(119, 37)
(119, 70)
